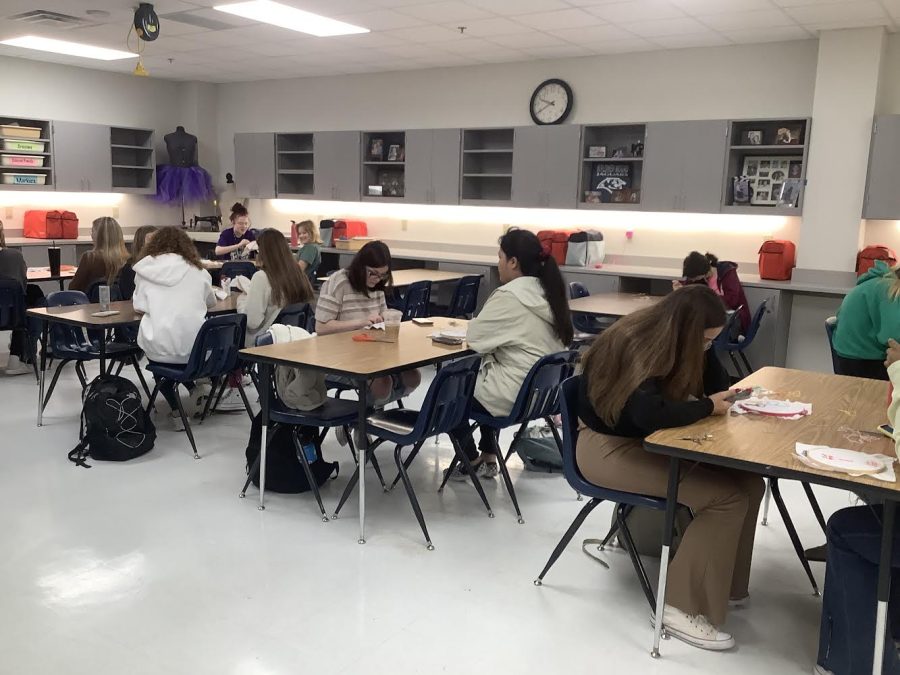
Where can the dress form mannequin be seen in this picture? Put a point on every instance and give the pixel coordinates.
(182, 147)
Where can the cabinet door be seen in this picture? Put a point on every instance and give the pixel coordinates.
(882, 196)
(81, 157)
(561, 159)
(444, 166)
(529, 156)
(704, 165)
(254, 165)
(337, 165)
(662, 181)
(419, 151)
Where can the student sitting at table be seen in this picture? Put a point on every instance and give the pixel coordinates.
(847, 633)
(126, 276)
(105, 260)
(309, 257)
(12, 266)
(352, 299)
(236, 243)
(868, 316)
(720, 276)
(654, 370)
(526, 318)
(173, 292)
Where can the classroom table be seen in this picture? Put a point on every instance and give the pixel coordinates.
(66, 272)
(403, 278)
(842, 408)
(81, 316)
(339, 354)
(612, 304)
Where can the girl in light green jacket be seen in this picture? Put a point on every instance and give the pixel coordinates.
(526, 318)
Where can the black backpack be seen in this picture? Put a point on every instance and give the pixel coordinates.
(284, 472)
(114, 425)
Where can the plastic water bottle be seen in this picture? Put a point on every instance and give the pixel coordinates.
(104, 298)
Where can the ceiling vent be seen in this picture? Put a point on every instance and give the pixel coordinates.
(46, 18)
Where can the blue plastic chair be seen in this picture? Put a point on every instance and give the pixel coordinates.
(830, 327)
(587, 327)
(538, 399)
(446, 405)
(464, 301)
(297, 315)
(415, 301)
(234, 268)
(334, 413)
(214, 355)
(625, 500)
(12, 313)
(738, 347)
(69, 343)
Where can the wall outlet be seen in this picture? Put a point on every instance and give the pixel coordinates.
(115, 212)
(629, 235)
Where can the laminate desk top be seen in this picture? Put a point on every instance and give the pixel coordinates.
(613, 304)
(43, 273)
(846, 413)
(411, 276)
(81, 315)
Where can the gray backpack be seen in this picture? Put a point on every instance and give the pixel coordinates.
(538, 451)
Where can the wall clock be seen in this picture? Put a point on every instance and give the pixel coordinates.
(551, 102)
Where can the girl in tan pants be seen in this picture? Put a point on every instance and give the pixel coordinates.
(652, 370)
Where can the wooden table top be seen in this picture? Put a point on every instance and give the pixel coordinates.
(410, 276)
(846, 414)
(338, 353)
(613, 304)
(43, 273)
(80, 315)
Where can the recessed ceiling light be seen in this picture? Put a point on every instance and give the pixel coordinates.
(266, 11)
(68, 48)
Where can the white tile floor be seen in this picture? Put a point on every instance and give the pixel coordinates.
(156, 566)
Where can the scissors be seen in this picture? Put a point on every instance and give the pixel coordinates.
(697, 438)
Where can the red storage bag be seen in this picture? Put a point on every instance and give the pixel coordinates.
(69, 225)
(865, 259)
(50, 225)
(777, 259)
(347, 229)
(556, 242)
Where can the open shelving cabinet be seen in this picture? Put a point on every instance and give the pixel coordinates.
(26, 161)
(133, 160)
(610, 182)
(294, 165)
(487, 165)
(383, 166)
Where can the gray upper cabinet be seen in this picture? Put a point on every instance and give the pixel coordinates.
(545, 166)
(337, 173)
(882, 196)
(432, 166)
(81, 157)
(254, 164)
(684, 164)
(418, 165)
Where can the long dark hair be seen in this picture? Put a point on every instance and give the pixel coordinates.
(373, 254)
(534, 261)
(139, 241)
(237, 211)
(289, 283)
(664, 341)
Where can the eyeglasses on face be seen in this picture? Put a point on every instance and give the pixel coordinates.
(375, 274)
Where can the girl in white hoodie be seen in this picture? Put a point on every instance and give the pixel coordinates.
(526, 318)
(173, 292)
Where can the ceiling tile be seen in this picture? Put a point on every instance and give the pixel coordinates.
(492, 27)
(623, 46)
(369, 40)
(622, 12)
(664, 27)
(564, 18)
(695, 7)
(592, 34)
(558, 52)
(800, 3)
(763, 18)
(424, 34)
(850, 12)
(382, 19)
(526, 40)
(516, 7)
(408, 51)
(709, 39)
(441, 12)
(759, 35)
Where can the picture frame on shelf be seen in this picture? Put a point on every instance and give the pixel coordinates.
(765, 177)
(795, 169)
(592, 197)
(609, 177)
(620, 152)
(374, 191)
(788, 135)
(376, 149)
(637, 149)
(789, 194)
(752, 137)
(597, 151)
(395, 153)
(741, 189)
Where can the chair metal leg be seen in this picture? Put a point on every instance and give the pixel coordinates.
(766, 499)
(81, 373)
(250, 474)
(406, 462)
(348, 433)
(209, 399)
(792, 533)
(347, 490)
(635, 557)
(137, 369)
(746, 362)
(614, 529)
(187, 424)
(509, 486)
(470, 471)
(246, 402)
(814, 503)
(53, 383)
(119, 368)
(567, 537)
(219, 395)
(377, 467)
(512, 446)
(453, 463)
(304, 462)
(411, 493)
(737, 366)
(153, 396)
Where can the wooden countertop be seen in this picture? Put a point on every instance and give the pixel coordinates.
(613, 304)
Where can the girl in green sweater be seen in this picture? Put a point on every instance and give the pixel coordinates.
(869, 316)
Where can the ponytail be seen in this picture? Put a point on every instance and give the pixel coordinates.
(534, 261)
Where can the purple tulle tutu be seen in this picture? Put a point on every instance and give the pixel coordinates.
(192, 183)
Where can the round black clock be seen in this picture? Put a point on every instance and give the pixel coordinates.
(551, 102)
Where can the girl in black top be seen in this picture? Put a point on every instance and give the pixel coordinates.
(654, 370)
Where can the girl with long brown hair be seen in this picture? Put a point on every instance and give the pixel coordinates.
(105, 260)
(126, 277)
(654, 370)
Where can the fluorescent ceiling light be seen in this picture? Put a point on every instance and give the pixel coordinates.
(68, 48)
(266, 11)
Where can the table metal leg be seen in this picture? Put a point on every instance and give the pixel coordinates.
(45, 331)
(884, 583)
(766, 499)
(265, 376)
(362, 448)
(671, 505)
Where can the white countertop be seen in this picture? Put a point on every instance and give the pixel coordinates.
(28, 241)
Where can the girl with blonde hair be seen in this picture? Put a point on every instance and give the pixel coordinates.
(105, 260)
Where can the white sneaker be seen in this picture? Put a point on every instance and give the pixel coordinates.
(175, 421)
(15, 367)
(820, 670)
(696, 631)
(231, 401)
(199, 396)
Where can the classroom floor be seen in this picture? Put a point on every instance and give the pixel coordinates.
(156, 566)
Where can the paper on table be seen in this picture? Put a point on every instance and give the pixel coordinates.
(738, 409)
(376, 326)
(887, 474)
